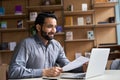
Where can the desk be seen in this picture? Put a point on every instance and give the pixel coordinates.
(109, 75)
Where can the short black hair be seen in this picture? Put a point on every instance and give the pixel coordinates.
(41, 17)
(40, 20)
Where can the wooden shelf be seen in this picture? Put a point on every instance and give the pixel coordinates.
(109, 45)
(5, 51)
(30, 22)
(114, 50)
(102, 5)
(60, 33)
(105, 25)
(13, 29)
(78, 26)
(113, 56)
(74, 13)
(79, 40)
(45, 8)
(13, 16)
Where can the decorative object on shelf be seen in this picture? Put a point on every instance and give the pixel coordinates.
(11, 45)
(80, 21)
(111, 19)
(88, 20)
(70, 8)
(4, 46)
(2, 11)
(90, 34)
(59, 29)
(84, 7)
(33, 16)
(69, 20)
(113, 0)
(78, 54)
(20, 24)
(87, 54)
(69, 35)
(3, 25)
(18, 10)
(104, 22)
(46, 2)
(58, 1)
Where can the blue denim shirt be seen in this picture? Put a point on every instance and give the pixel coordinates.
(31, 56)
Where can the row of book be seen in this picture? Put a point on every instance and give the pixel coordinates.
(7, 46)
(80, 20)
(18, 10)
(69, 35)
(4, 25)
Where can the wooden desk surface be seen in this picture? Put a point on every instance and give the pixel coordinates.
(109, 75)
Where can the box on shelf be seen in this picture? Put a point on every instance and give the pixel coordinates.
(84, 7)
(18, 10)
(11, 45)
(88, 20)
(33, 16)
(3, 25)
(90, 34)
(69, 35)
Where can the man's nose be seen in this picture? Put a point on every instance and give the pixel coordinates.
(54, 29)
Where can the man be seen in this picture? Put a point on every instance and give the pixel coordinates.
(115, 64)
(38, 55)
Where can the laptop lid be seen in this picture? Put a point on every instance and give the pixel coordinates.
(96, 67)
(97, 62)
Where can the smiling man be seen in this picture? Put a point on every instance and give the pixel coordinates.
(38, 55)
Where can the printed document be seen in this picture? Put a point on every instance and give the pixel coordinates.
(76, 63)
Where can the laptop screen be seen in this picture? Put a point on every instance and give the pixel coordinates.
(97, 62)
(96, 67)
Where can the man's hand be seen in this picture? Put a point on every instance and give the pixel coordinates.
(52, 72)
(85, 66)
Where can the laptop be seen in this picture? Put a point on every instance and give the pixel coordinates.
(96, 66)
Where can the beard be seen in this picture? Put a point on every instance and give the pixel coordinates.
(46, 36)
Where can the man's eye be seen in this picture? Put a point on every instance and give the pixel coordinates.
(49, 26)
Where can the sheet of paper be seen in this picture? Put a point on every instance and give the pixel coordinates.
(76, 63)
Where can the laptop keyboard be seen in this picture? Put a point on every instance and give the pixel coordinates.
(73, 75)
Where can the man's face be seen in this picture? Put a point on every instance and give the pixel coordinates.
(48, 29)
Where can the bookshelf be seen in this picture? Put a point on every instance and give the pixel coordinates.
(14, 34)
(98, 12)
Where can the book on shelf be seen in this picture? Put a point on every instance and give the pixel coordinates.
(80, 21)
(2, 11)
(69, 20)
(101, 1)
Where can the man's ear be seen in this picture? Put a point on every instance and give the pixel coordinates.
(38, 27)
